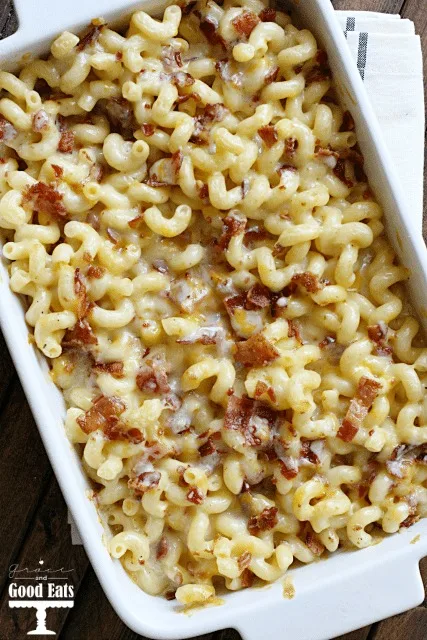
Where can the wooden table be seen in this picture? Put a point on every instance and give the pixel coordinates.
(33, 521)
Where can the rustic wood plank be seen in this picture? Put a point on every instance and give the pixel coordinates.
(7, 372)
(48, 540)
(24, 473)
(8, 18)
(360, 634)
(411, 625)
(386, 6)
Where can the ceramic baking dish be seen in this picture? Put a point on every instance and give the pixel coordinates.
(345, 592)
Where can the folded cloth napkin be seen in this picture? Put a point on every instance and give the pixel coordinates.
(389, 59)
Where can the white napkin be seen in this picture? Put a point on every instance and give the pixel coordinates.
(389, 59)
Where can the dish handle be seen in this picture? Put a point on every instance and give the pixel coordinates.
(323, 612)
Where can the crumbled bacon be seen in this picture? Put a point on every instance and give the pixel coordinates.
(367, 391)
(307, 453)
(410, 520)
(40, 121)
(209, 28)
(211, 113)
(291, 145)
(90, 37)
(176, 160)
(245, 23)
(268, 134)
(241, 414)
(153, 377)
(207, 448)
(314, 544)
(195, 496)
(187, 97)
(83, 303)
(267, 15)
(80, 335)
(113, 368)
(308, 280)
(171, 58)
(321, 70)
(232, 225)
(258, 296)
(326, 342)
(153, 181)
(66, 142)
(257, 351)
(288, 467)
(204, 192)
(247, 578)
(144, 481)
(285, 168)
(95, 272)
(271, 75)
(162, 548)
(262, 388)
(325, 152)
(57, 170)
(264, 521)
(378, 334)
(45, 199)
(119, 112)
(347, 122)
(148, 129)
(135, 222)
(340, 171)
(182, 79)
(104, 413)
(7, 130)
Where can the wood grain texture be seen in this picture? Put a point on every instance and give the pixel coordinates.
(35, 526)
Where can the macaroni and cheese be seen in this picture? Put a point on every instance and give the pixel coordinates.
(186, 214)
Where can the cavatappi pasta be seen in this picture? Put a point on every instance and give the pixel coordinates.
(186, 213)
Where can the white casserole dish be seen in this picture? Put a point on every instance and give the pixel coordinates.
(351, 589)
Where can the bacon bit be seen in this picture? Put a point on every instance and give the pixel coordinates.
(308, 280)
(45, 199)
(286, 167)
(95, 272)
(204, 192)
(194, 496)
(314, 544)
(347, 122)
(119, 56)
(134, 435)
(268, 135)
(247, 578)
(134, 223)
(170, 595)
(262, 388)
(153, 377)
(80, 335)
(40, 121)
(57, 170)
(83, 303)
(240, 414)
(176, 160)
(378, 334)
(245, 23)
(171, 58)
(104, 413)
(288, 472)
(188, 96)
(325, 152)
(211, 113)
(90, 37)
(209, 28)
(92, 218)
(7, 130)
(66, 142)
(307, 453)
(207, 448)
(113, 368)
(321, 71)
(265, 520)
(257, 351)
(162, 548)
(113, 235)
(182, 79)
(271, 75)
(294, 331)
(121, 117)
(267, 15)
(231, 226)
(326, 342)
(244, 560)
(152, 181)
(255, 234)
(339, 171)
(258, 296)
(410, 520)
(291, 145)
(148, 129)
(367, 391)
(144, 482)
